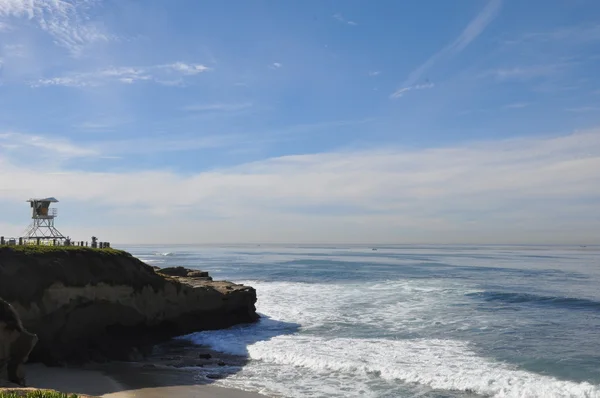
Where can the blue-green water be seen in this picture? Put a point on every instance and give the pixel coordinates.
(409, 321)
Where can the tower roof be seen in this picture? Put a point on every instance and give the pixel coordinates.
(50, 199)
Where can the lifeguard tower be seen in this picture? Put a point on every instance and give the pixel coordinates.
(42, 227)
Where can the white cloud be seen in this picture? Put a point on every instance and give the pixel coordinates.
(341, 18)
(525, 72)
(275, 65)
(126, 75)
(219, 107)
(401, 91)
(374, 73)
(517, 105)
(187, 69)
(66, 21)
(515, 190)
(470, 33)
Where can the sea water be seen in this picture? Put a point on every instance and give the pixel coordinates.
(409, 321)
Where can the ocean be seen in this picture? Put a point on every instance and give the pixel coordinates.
(408, 321)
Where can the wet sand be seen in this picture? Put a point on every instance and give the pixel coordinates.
(123, 381)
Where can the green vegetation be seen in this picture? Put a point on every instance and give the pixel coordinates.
(41, 249)
(35, 394)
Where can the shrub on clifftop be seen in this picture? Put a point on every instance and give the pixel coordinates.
(35, 394)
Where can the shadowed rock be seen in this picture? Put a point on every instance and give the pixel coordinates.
(15, 344)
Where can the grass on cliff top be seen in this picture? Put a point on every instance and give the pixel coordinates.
(36, 394)
(42, 249)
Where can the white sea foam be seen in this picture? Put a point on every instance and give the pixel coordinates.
(298, 352)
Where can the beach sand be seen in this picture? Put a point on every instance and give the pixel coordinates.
(125, 381)
(177, 368)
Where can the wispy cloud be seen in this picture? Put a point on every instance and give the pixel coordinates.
(525, 72)
(219, 107)
(31, 148)
(375, 73)
(102, 123)
(168, 144)
(162, 74)
(341, 18)
(186, 69)
(13, 50)
(584, 109)
(275, 65)
(67, 22)
(470, 33)
(401, 91)
(584, 33)
(517, 105)
(59, 146)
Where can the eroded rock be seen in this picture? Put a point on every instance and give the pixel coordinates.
(99, 304)
(16, 344)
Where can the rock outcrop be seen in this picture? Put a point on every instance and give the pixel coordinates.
(96, 304)
(15, 345)
(183, 272)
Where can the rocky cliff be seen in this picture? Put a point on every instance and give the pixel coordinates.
(94, 304)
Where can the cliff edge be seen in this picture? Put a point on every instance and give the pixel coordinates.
(96, 304)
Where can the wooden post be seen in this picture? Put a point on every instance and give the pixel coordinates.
(20, 241)
(38, 241)
(1, 240)
(53, 242)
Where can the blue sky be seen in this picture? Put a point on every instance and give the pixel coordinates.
(303, 121)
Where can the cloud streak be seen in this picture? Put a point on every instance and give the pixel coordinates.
(27, 147)
(19, 142)
(340, 18)
(517, 105)
(219, 107)
(469, 33)
(402, 91)
(161, 74)
(585, 33)
(525, 72)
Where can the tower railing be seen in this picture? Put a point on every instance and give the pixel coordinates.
(39, 241)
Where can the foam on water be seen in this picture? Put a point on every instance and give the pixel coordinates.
(317, 341)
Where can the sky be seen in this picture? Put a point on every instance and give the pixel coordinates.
(473, 121)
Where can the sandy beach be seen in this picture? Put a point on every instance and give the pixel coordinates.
(124, 381)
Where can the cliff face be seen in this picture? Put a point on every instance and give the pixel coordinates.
(97, 304)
